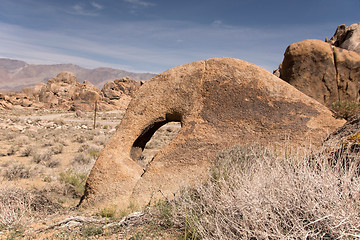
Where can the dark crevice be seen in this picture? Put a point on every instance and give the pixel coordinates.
(336, 71)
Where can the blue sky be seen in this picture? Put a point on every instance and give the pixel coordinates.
(155, 35)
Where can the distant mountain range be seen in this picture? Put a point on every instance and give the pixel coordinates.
(15, 74)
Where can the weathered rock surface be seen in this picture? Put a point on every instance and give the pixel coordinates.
(347, 37)
(322, 71)
(120, 92)
(65, 92)
(219, 102)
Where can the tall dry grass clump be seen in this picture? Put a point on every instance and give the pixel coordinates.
(254, 194)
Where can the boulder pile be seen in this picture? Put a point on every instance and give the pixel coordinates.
(65, 92)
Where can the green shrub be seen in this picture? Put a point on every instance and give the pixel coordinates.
(91, 230)
(93, 153)
(108, 212)
(75, 180)
(345, 110)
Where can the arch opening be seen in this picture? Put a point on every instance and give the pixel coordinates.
(156, 136)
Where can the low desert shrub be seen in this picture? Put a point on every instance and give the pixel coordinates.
(74, 183)
(94, 152)
(12, 150)
(345, 110)
(108, 212)
(101, 140)
(16, 171)
(91, 230)
(79, 139)
(252, 193)
(53, 163)
(43, 157)
(83, 148)
(58, 148)
(27, 151)
(81, 158)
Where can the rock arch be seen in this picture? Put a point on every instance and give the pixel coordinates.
(219, 102)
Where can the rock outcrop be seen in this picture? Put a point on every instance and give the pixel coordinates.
(347, 37)
(120, 91)
(219, 102)
(322, 71)
(65, 92)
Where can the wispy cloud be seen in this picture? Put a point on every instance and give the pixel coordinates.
(149, 46)
(137, 3)
(96, 5)
(217, 23)
(91, 9)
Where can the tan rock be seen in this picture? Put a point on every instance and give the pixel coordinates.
(113, 90)
(66, 92)
(322, 71)
(219, 102)
(347, 37)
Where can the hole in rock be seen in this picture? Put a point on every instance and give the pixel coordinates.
(153, 140)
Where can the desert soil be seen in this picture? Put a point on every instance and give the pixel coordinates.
(49, 154)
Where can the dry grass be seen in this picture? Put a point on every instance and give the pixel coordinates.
(253, 194)
(20, 207)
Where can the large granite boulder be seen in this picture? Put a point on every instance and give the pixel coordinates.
(219, 102)
(113, 90)
(347, 37)
(322, 71)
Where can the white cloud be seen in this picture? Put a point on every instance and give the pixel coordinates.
(217, 23)
(96, 5)
(86, 10)
(136, 3)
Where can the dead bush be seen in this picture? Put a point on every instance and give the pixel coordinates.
(27, 151)
(253, 194)
(18, 206)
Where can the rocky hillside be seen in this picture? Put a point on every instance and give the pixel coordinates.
(15, 74)
(65, 92)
